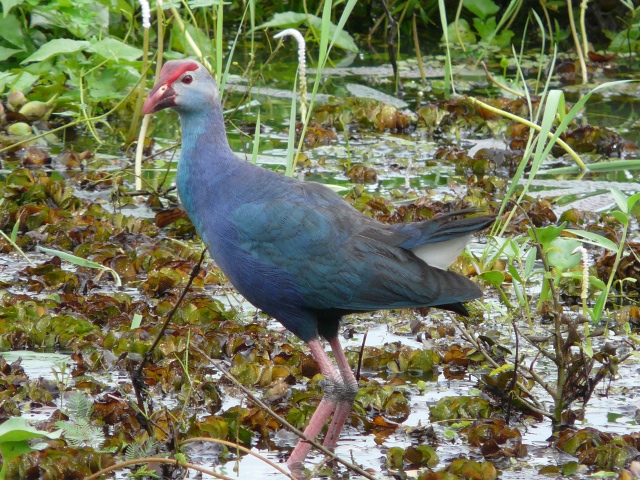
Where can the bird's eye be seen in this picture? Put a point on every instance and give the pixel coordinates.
(187, 79)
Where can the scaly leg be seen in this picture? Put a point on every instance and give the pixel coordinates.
(315, 425)
(347, 395)
(340, 392)
(326, 407)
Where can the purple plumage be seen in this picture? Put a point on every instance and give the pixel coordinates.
(296, 250)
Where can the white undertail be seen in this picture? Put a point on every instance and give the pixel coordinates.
(442, 254)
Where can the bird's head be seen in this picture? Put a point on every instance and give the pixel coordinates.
(184, 85)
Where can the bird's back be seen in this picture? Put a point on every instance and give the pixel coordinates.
(292, 247)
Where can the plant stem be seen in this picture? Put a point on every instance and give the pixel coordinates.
(457, 27)
(142, 86)
(543, 4)
(529, 124)
(189, 39)
(154, 460)
(583, 28)
(17, 247)
(492, 79)
(449, 87)
(302, 67)
(416, 44)
(139, 149)
(616, 263)
(558, 344)
(238, 447)
(160, 47)
(531, 402)
(576, 41)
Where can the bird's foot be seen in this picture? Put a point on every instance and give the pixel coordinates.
(297, 470)
(339, 391)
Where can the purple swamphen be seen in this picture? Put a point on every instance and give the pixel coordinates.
(298, 251)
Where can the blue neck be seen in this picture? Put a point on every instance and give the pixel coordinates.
(205, 160)
(203, 131)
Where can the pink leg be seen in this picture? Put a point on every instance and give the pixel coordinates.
(345, 402)
(343, 365)
(325, 408)
(315, 425)
(341, 390)
(337, 422)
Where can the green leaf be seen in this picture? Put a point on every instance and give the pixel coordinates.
(612, 417)
(449, 434)
(346, 12)
(503, 40)
(596, 282)
(620, 198)
(7, 5)
(11, 31)
(201, 3)
(17, 429)
(137, 320)
(570, 468)
(561, 253)
(6, 78)
(23, 81)
(341, 39)
(599, 306)
(517, 288)
(285, 20)
(613, 166)
(594, 239)
(55, 47)
(547, 234)
(530, 262)
(493, 277)
(481, 8)
(632, 200)
(111, 48)
(293, 20)
(464, 29)
(82, 262)
(514, 273)
(7, 52)
(14, 231)
(292, 126)
(574, 275)
(544, 144)
(486, 28)
(622, 217)
(10, 450)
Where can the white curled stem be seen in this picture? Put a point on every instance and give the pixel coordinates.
(302, 66)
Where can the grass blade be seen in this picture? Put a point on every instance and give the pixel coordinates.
(448, 73)
(15, 245)
(81, 262)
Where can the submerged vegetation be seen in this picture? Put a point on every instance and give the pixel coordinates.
(164, 368)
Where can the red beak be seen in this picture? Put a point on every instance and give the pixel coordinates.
(161, 96)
